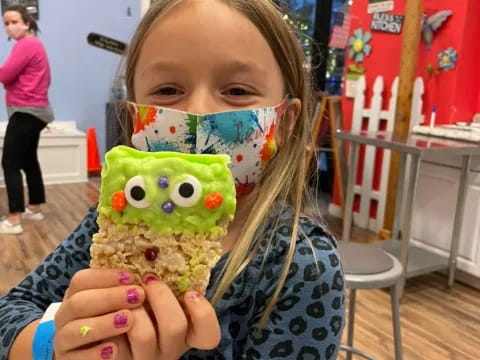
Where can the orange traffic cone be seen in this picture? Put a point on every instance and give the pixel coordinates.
(93, 158)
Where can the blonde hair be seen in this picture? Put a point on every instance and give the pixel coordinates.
(285, 177)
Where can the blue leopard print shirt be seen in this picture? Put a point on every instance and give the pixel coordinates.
(306, 323)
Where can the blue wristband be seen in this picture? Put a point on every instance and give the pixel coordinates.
(42, 347)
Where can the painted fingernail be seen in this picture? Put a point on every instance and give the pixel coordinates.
(194, 296)
(125, 279)
(120, 320)
(107, 352)
(150, 278)
(133, 296)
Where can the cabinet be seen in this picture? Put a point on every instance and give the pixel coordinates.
(62, 153)
(432, 221)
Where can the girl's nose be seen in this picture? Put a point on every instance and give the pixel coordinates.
(201, 102)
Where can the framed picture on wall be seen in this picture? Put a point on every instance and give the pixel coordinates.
(31, 5)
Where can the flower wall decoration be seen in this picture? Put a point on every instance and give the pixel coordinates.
(359, 47)
(447, 59)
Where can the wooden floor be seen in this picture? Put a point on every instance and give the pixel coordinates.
(66, 206)
(437, 323)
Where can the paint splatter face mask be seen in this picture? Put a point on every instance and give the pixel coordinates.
(248, 136)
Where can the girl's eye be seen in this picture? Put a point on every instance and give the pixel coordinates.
(238, 92)
(168, 91)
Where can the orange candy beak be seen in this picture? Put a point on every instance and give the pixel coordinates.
(119, 201)
(213, 201)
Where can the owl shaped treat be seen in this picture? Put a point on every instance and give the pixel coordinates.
(163, 213)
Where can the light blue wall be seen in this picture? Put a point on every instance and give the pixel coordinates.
(81, 74)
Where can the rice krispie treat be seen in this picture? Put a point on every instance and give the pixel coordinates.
(163, 213)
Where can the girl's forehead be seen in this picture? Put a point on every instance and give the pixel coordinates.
(198, 30)
(202, 18)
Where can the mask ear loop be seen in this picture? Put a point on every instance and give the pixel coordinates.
(281, 108)
(281, 111)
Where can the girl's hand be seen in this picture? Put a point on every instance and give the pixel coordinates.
(97, 306)
(172, 329)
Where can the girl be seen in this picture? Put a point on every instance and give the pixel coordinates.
(26, 77)
(278, 291)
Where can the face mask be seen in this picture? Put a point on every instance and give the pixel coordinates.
(16, 31)
(248, 136)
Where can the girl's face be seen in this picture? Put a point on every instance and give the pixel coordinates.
(205, 57)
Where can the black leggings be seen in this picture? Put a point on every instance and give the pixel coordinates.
(20, 153)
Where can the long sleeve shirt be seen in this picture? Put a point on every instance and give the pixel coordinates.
(26, 74)
(306, 322)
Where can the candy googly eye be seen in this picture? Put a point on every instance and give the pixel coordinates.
(135, 193)
(187, 192)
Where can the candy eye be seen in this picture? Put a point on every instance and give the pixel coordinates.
(187, 192)
(135, 193)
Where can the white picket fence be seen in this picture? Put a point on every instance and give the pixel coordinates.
(375, 115)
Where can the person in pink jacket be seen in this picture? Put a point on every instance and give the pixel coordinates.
(26, 78)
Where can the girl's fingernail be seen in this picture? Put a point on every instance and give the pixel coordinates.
(194, 296)
(133, 296)
(125, 279)
(120, 320)
(107, 352)
(150, 278)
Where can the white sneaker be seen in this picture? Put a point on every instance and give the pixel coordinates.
(33, 215)
(8, 228)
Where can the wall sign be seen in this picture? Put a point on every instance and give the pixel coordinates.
(380, 6)
(106, 43)
(387, 23)
(30, 5)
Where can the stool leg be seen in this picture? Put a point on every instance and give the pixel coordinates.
(397, 335)
(351, 319)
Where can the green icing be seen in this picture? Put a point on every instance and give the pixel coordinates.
(123, 163)
(183, 283)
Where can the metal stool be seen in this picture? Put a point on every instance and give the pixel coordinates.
(367, 266)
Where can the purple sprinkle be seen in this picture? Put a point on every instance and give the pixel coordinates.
(168, 207)
(163, 182)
